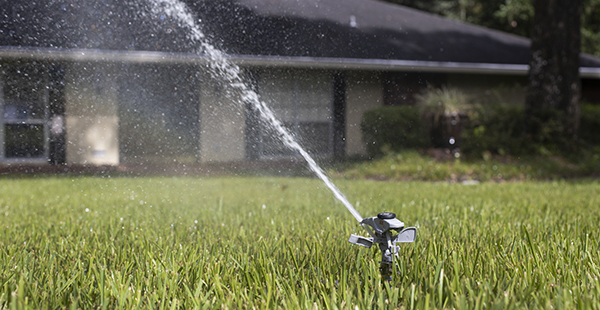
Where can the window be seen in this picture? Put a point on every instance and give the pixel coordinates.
(158, 114)
(302, 101)
(23, 103)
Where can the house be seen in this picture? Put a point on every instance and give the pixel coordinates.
(109, 82)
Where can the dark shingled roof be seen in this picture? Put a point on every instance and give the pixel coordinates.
(359, 29)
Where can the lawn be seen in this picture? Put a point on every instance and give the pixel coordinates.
(436, 165)
(246, 242)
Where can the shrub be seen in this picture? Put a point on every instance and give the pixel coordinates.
(445, 111)
(500, 128)
(495, 128)
(393, 128)
(443, 102)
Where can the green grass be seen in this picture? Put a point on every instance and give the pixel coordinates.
(183, 243)
(411, 165)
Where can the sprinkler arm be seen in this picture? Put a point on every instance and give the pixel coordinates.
(407, 235)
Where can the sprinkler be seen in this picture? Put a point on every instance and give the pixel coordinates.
(386, 230)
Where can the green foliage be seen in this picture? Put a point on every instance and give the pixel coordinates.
(393, 128)
(513, 16)
(445, 113)
(548, 131)
(491, 128)
(443, 102)
(188, 243)
(500, 129)
(590, 27)
(440, 165)
(396, 128)
(496, 128)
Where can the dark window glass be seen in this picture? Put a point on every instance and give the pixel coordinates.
(272, 145)
(24, 90)
(314, 137)
(23, 140)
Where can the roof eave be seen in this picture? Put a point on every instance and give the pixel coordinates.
(380, 65)
(275, 61)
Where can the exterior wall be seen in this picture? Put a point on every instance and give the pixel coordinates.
(91, 114)
(364, 91)
(92, 120)
(490, 88)
(222, 124)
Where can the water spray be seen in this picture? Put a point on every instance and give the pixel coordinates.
(387, 231)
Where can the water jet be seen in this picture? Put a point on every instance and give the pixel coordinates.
(385, 229)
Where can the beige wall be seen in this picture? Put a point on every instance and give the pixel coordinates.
(91, 114)
(491, 89)
(364, 92)
(222, 124)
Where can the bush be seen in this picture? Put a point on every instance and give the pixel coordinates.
(445, 111)
(443, 102)
(393, 128)
(491, 128)
(500, 129)
(495, 128)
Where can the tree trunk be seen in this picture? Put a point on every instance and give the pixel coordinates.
(554, 84)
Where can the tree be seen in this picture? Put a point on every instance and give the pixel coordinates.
(590, 30)
(554, 84)
(513, 16)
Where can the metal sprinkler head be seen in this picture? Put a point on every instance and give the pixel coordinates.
(386, 230)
